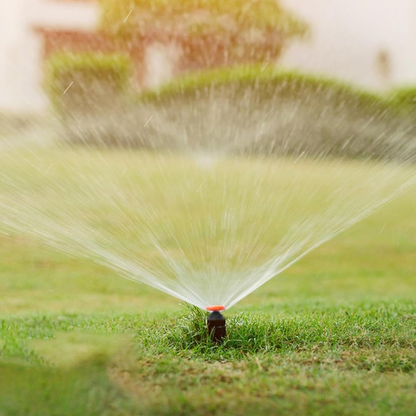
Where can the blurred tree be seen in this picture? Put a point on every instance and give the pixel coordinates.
(208, 33)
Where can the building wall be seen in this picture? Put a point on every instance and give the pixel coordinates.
(21, 47)
(369, 42)
(12, 45)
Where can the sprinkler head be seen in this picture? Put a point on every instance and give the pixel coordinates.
(216, 323)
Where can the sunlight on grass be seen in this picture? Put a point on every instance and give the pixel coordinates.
(68, 349)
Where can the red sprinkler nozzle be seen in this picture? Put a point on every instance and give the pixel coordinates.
(216, 323)
(215, 308)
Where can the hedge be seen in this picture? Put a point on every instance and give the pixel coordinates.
(88, 93)
(235, 110)
(253, 108)
(404, 99)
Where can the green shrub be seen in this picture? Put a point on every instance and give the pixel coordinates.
(404, 99)
(266, 110)
(210, 32)
(250, 109)
(88, 93)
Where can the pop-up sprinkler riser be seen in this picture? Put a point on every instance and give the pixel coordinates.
(216, 323)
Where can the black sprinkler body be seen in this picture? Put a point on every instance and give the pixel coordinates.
(216, 325)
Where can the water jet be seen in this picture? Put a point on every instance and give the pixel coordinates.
(224, 197)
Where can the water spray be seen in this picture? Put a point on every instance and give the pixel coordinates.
(216, 323)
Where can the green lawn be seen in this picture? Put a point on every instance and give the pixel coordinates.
(334, 334)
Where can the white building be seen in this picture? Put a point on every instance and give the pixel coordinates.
(21, 46)
(368, 42)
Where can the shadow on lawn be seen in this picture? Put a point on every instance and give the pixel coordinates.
(40, 391)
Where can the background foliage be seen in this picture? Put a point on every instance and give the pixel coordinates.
(210, 32)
